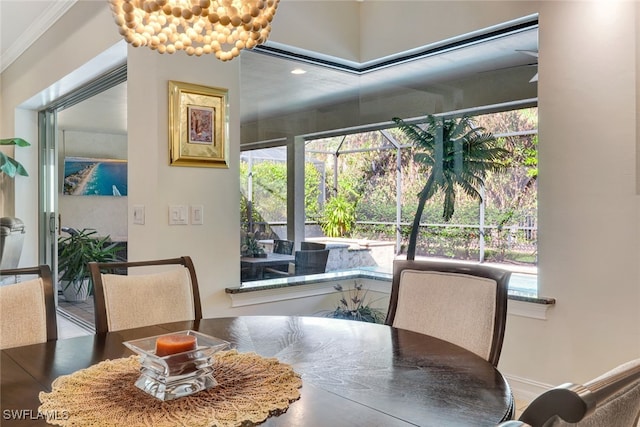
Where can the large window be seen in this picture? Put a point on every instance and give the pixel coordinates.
(263, 187)
(376, 179)
(360, 183)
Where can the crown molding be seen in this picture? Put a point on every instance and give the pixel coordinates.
(54, 11)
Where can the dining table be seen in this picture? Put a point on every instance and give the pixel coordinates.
(256, 265)
(352, 373)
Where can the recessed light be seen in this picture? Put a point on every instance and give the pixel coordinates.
(298, 71)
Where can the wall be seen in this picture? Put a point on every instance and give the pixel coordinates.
(588, 205)
(215, 245)
(414, 24)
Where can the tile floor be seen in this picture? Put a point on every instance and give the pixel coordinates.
(70, 329)
(521, 405)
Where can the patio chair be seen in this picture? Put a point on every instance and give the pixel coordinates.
(312, 246)
(136, 300)
(611, 400)
(306, 262)
(27, 308)
(465, 304)
(283, 247)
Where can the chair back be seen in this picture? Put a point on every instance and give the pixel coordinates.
(283, 247)
(610, 400)
(312, 246)
(27, 308)
(125, 301)
(311, 262)
(465, 304)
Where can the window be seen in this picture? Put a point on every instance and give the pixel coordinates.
(375, 174)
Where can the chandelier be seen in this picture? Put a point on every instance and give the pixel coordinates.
(221, 27)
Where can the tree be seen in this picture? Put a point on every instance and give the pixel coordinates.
(455, 154)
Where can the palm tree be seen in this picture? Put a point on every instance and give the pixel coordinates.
(456, 155)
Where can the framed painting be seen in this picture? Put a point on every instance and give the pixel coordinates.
(88, 176)
(198, 125)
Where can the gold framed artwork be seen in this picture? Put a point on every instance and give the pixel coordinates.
(198, 125)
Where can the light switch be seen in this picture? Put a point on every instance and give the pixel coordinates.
(178, 215)
(138, 214)
(197, 215)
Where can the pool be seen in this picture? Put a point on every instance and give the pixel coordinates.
(523, 284)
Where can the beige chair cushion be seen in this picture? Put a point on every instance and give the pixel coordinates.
(140, 300)
(453, 307)
(23, 316)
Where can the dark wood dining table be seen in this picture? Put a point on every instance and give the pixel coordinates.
(353, 373)
(256, 266)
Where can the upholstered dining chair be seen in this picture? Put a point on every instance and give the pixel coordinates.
(125, 301)
(27, 308)
(610, 400)
(462, 303)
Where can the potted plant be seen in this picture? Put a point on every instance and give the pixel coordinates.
(9, 165)
(75, 251)
(353, 306)
(252, 248)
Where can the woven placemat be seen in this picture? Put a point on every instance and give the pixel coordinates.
(250, 389)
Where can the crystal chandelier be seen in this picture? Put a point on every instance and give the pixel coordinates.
(221, 27)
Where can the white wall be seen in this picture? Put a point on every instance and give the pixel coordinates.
(588, 204)
(215, 245)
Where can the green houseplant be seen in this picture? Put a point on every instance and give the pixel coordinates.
(353, 305)
(251, 247)
(9, 165)
(455, 155)
(75, 251)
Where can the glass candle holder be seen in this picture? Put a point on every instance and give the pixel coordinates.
(180, 374)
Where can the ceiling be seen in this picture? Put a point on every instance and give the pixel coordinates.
(267, 86)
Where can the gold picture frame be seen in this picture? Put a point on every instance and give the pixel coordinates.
(198, 125)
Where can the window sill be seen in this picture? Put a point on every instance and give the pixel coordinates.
(274, 290)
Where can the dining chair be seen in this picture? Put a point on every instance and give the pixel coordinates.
(312, 246)
(27, 307)
(610, 400)
(283, 247)
(305, 262)
(125, 301)
(462, 303)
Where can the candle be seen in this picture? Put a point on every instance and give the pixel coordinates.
(172, 344)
